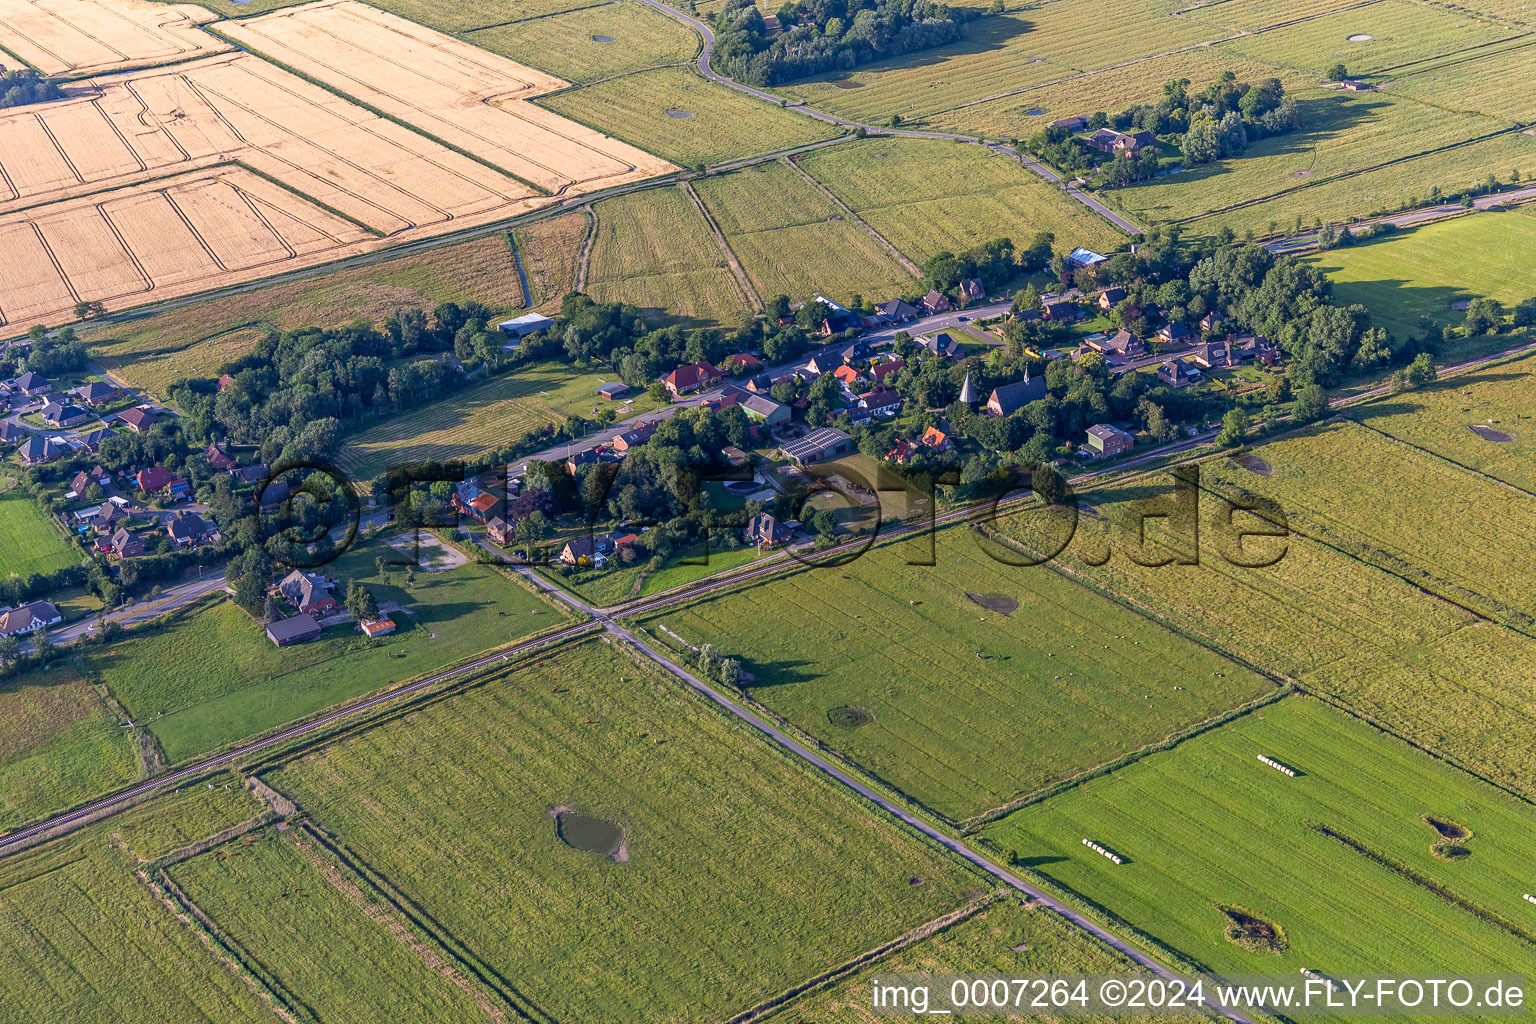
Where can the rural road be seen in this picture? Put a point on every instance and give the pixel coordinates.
(1413, 218)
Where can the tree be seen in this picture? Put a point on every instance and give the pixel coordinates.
(10, 649)
(360, 602)
(1234, 425)
(1422, 370)
(90, 310)
(659, 393)
(1311, 404)
(1048, 484)
(1525, 313)
(1338, 73)
(410, 575)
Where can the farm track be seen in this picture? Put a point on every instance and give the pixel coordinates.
(742, 280)
(854, 218)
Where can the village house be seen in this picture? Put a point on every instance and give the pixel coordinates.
(37, 450)
(880, 371)
(971, 290)
(589, 457)
(254, 473)
(108, 516)
(10, 433)
(1075, 123)
(1212, 355)
(1062, 311)
(1127, 144)
(1211, 323)
(308, 593)
(137, 420)
(225, 383)
(499, 531)
(97, 393)
(33, 384)
(470, 499)
(685, 380)
(742, 362)
(882, 403)
(760, 384)
(273, 494)
(1173, 373)
(895, 311)
(1176, 333)
(126, 545)
(764, 531)
(28, 618)
(582, 550)
(846, 374)
(941, 344)
(294, 630)
(1085, 259)
(901, 452)
(59, 415)
(819, 445)
(935, 440)
(83, 482)
(91, 442)
(153, 479)
(837, 318)
(936, 302)
(219, 458)
(635, 436)
(1106, 441)
(1010, 398)
(857, 355)
(1122, 343)
(188, 529)
(1109, 298)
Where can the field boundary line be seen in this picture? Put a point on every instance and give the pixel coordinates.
(265, 982)
(202, 846)
(272, 179)
(848, 967)
(584, 259)
(848, 212)
(743, 282)
(419, 919)
(536, 17)
(1437, 456)
(382, 114)
(137, 186)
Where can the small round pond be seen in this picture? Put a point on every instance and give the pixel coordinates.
(589, 834)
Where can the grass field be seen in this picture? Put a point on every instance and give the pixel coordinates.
(1384, 189)
(1400, 32)
(648, 110)
(478, 419)
(1005, 939)
(1003, 53)
(1207, 824)
(214, 677)
(154, 351)
(28, 541)
(1421, 272)
(745, 875)
(290, 907)
(1020, 112)
(594, 42)
(1251, 15)
(1427, 669)
(1463, 537)
(924, 197)
(550, 251)
(1439, 418)
(655, 250)
(58, 745)
(87, 942)
(1342, 132)
(613, 586)
(792, 240)
(1494, 84)
(967, 707)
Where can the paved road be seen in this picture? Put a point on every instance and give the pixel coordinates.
(1044, 172)
(1412, 218)
(169, 600)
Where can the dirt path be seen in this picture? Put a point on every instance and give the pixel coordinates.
(586, 249)
(742, 280)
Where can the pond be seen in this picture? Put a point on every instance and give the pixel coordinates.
(589, 834)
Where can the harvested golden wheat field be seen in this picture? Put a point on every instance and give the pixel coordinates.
(457, 92)
(163, 182)
(75, 37)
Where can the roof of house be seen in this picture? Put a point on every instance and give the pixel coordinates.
(638, 434)
(890, 366)
(743, 359)
(846, 374)
(692, 375)
(972, 288)
(613, 389)
(153, 478)
(58, 411)
(933, 437)
(1113, 296)
(762, 405)
(1085, 257)
(30, 381)
(498, 524)
(20, 618)
(1122, 341)
(188, 526)
(1012, 397)
(378, 627)
(580, 547)
(96, 391)
(935, 298)
(1105, 432)
(883, 398)
(1177, 329)
(37, 448)
(528, 322)
(897, 308)
(765, 529)
(138, 418)
(297, 627)
(940, 344)
(94, 438)
(11, 432)
(218, 456)
(303, 589)
(1060, 308)
(122, 538)
(250, 474)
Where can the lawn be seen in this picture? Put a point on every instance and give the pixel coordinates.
(1207, 825)
(551, 251)
(1429, 670)
(594, 42)
(1440, 417)
(58, 745)
(792, 240)
(290, 907)
(654, 249)
(683, 118)
(479, 419)
(87, 942)
(962, 706)
(1007, 938)
(1383, 190)
(29, 542)
(1466, 538)
(1399, 32)
(1421, 272)
(1003, 53)
(154, 351)
(927, 196)
(1342, 132)
(213, 677)
(745, 874)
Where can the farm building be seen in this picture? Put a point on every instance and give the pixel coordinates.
(1075, 123)
(307, 593)
(377, 627)
(1085, 258)
(1105, 440)
(293, 630)
(28, 618)
(613, 392)
(519, 327)
(819, 445)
